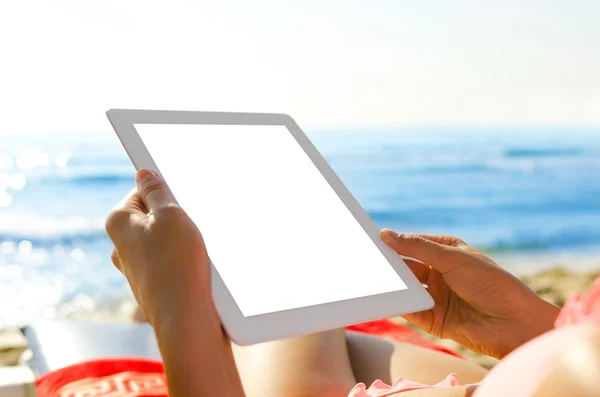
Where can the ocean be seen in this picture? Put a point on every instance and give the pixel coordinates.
(509, 191)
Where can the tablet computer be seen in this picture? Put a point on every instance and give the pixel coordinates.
(292, 250)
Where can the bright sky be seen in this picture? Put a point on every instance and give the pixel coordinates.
(63, 63)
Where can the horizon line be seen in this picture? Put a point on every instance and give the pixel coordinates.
(380, 126)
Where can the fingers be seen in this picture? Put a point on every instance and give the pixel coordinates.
(150, 194)
(153, 191)
(441, 257)
(119, 223)
(116, 260)
(419, 269)
(132, 201)
(450, 241)
(123, 217)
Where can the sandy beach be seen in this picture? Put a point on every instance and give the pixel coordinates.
(554, 284)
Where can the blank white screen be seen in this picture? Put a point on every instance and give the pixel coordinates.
(275, 230)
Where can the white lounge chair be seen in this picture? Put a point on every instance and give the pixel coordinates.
(57, 344)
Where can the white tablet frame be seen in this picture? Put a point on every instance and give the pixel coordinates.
(288, 323)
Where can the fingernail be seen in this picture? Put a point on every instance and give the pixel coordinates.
(388, 234)
(143, 175)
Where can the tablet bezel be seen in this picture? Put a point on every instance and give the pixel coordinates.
(272, 326)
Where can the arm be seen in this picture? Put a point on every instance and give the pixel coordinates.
(477, 303)
(536, 319)
(162, 254)
(197, 355)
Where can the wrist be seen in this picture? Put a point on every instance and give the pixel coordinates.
(176, 313)
(538, 319)
(175, 302)
(192, 342)
(201, 328)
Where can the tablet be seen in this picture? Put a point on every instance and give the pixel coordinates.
(292, 250)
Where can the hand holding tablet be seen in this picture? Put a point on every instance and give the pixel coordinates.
(306, 256)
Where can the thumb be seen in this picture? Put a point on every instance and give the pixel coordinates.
(153, 190)
(440, 257)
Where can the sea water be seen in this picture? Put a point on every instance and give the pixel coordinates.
(530, 191)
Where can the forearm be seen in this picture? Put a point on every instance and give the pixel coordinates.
(197, 355)
(538, 320)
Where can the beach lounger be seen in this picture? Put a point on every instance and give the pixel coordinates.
(58, 344)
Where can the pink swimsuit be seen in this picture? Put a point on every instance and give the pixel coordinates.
(526, 366)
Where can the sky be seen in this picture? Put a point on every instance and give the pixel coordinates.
(327, 63)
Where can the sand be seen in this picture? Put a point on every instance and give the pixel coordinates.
(553, 284)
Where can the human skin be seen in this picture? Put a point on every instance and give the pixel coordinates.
(478, 304)
(576, 370)
(163, 257)
(162, 254)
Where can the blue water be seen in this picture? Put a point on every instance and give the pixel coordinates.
(502, 190)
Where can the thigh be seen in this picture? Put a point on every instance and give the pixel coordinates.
(312, 365)
(376, 358)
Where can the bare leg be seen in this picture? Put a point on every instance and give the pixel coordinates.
(376, 358)
(313, 365)
(331, 363)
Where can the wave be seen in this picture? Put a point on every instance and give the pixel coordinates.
(107, 179)
(44, 230)
(451, 169)
(111, 160)
(409, 166)
(552, 242)
(519, 239)
(538, 152)
(520, 227)
(91, 179)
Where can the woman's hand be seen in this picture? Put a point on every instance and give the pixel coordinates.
(162, 254)
(159, 250)
(477, 303)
